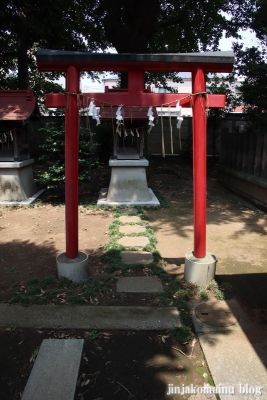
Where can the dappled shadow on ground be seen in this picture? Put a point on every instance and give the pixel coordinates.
(116, 365)
(173, 178)
(139, 365)
(21, 260)
(250, 290)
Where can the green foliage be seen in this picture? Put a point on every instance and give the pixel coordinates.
(214, 287)
(203, 294)
(182, 334)
(53, 154)
(252, 67)
(169, 26)
(51, 290)
(94, 335)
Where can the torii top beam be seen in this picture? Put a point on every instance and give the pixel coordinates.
(55, 60)
(136, 65)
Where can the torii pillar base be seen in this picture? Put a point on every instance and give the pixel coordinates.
(75, 269)
(200, 271)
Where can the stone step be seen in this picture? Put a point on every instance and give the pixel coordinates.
(136, 257)
(129, 210)
(129, 229)
(133, 241)
(139, 284)
(127, 219)
(55, 371)
(89, 317)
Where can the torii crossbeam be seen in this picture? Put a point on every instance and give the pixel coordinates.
(72, 63)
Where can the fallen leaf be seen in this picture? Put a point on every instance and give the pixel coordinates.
(40, 331)
(86, 382)
(106, 334)
(21, 342)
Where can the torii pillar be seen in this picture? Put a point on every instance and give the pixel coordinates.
(199, 264)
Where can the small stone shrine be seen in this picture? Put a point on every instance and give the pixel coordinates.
(128, 183)
(16, 177)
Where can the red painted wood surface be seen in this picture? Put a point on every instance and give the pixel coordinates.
(141, 99)
(199, 163)
(71, 163)
(136, 65)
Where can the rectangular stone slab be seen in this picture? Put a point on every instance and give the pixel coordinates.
(133, 241)
(139, 284)
(129, 229)
(136, 257)
(55, 371)
(90, 317)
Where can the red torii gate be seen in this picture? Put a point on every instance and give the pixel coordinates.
(72, 63)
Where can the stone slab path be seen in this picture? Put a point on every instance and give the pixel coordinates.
(93, 317)
(136, 257)
(139, 284)
(55, 371)
(129, 229)
(134, 241)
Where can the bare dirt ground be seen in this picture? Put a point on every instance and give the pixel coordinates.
(31, 238)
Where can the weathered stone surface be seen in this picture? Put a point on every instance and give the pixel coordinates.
(89, 317)
(233, 356)
(133, 241)
(126, 219)
(139, 284)
(55, 371)
(129, 229)
(129, 210)
(136, 257)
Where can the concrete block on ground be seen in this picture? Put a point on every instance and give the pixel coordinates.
(55, 371)
(133, 241)
(129, 229)
(233, 355)
(129, 210)
(136, 257)
(126, 219)
(93, 317)
(139, 284)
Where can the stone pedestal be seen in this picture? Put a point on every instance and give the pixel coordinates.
(200, 271)
(128, 184)
(75, 269)
(16, 182)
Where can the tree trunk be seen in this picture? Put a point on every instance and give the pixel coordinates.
(23, 63)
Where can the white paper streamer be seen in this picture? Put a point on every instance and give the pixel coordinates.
(150, 119)
(94, 112)
(179, 115)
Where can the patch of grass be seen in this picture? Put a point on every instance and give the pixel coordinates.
(219, 293)
(203, 294)
(75, 299)
(94, 335)
(182, 334)
(50, 290)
